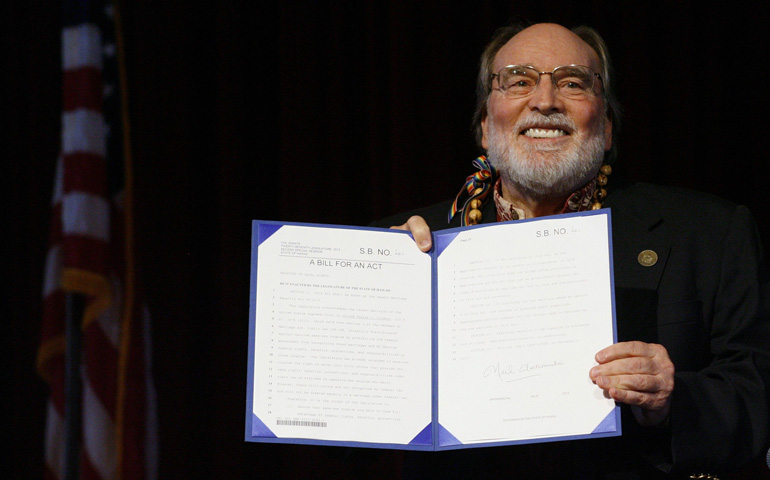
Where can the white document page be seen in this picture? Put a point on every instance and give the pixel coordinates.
(522, 310)
(343, 335)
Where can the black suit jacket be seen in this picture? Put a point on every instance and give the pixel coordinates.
(705, 300)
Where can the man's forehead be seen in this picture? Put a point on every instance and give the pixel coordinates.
(546, 46)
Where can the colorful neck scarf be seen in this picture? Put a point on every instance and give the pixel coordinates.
(477, 186)
(579, 201)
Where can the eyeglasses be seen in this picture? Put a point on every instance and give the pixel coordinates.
(572, 81)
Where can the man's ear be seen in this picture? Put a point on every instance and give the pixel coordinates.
(484, 142)
(608, 134)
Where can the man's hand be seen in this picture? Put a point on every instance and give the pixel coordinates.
(420, 232)
(638, 374)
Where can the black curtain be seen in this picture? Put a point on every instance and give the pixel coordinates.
(330, 112)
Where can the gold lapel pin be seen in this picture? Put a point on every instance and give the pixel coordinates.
(647, 258)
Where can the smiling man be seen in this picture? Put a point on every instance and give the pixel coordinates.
(691, 367)
(546, 126)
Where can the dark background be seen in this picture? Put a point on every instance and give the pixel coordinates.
(332, 112)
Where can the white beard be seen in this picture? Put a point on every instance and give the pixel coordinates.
(542, 171)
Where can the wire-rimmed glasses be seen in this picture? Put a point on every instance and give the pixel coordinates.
(573, 81)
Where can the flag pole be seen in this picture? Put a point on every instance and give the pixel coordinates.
(128, 239)
(73, 386)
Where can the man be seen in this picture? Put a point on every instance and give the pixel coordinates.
(691, 367)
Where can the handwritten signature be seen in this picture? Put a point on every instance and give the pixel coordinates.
(513, 373)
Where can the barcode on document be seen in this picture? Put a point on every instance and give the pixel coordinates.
(301, 423)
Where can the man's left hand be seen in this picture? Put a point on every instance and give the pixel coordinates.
(638, 374)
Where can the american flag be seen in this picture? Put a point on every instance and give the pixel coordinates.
(91, 254)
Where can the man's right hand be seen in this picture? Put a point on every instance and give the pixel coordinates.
(420, 232)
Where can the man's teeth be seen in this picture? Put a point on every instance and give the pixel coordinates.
(544, 133)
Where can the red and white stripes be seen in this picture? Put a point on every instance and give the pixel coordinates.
(87, 255)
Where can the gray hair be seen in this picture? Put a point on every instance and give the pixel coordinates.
(588, 35)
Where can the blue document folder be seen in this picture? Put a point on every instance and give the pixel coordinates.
(356, 338)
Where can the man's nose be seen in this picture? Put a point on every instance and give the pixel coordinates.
(545, 98)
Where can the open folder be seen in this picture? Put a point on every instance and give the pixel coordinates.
(358, 338)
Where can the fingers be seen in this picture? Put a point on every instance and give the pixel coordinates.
(629, 349)
(633, 358)
(648, 409)
(634, 365)
(420, 231)
(634, 398)
(638, 374)
(650, 399)
(638, 383)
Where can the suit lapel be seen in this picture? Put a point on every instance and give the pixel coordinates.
(640, 256)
